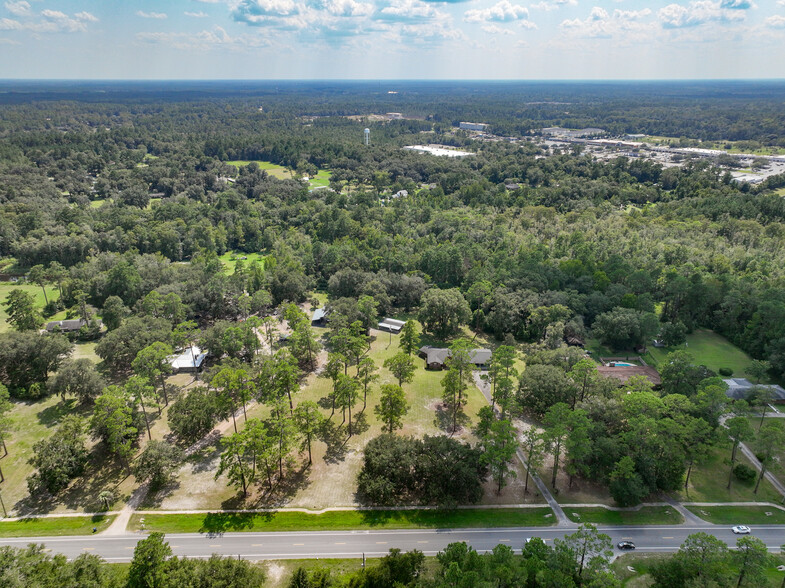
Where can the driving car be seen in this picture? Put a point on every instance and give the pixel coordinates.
(626, 545)
(741, 530)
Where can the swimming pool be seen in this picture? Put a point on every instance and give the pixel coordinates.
(624, 364)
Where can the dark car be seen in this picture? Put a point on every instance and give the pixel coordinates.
(626, 545)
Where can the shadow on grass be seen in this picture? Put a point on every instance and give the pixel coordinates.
(217, 523)
(102, 472)
(333, 435)
(443, 419)
(51, 416)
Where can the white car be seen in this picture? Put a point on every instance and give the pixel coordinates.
(741, 530)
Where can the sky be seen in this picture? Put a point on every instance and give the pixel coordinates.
(392, 39)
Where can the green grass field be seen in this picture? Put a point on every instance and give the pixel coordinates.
(321, 180)
(739, 515)
(647, 515)
(709, 349)
(276, 171)
(55, 526)
(709, 481)
(36, 291)
(230, 259)
(343, 520)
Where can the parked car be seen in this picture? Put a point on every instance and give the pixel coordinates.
(625, 545)
(741, 530)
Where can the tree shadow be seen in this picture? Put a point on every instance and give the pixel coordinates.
(443, 419)
(332, 434)
(218, 523)
(325, 403)
(102, 472)
(52, 415)
(360, 423)
(156, 497)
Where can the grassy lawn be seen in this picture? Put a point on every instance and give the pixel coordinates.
(740, 515)
(709, 349)
(343, 520)
(7, 287)
(709, 481)
(647, 515)
(230, 259)
(97, 203)
(49, 527)
(321, 180)
(276, 171)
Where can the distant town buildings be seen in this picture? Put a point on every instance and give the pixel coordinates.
(472, 126)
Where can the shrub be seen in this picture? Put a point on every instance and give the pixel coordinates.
(726, 372)
(744, 473)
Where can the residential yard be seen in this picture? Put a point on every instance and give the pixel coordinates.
(342, 520)
(709, 481)
(646, 515)
(320, 180)
(709, 349)
(276, 171)
(740, 515)
(55, 526)
(7, 287)
(706, 347)
(230, 259)
(331, 479)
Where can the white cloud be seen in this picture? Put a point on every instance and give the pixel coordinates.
(199, 14)
(204, 40)
(496, 30)
(155, 15)
(4, 41)
(776, 22)
(7, 24)
(409, 10)
(502, 11)
(737, 4)
(602, 25)
(48, 21)
(676, 16)
(549, 5)
(20, 8)
(348, 8)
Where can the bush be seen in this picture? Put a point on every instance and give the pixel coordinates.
(726, 372)
(744, 473)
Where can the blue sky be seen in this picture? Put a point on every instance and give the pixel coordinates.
(396, 39)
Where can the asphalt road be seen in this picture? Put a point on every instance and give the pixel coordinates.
(350, 544)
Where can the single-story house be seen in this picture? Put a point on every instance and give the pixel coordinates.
(319, 317)
(189, 361)
(625, 372)
(739, 388)
(436, 357)
(575, 341)
(391, 325)
(68, 326)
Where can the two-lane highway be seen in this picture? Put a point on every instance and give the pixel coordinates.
(349, 544)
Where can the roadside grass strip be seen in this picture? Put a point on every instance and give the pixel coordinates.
(740, 515)
(646, 515)
(55, 526)
(224, 522)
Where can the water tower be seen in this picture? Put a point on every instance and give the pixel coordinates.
(367, 136)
